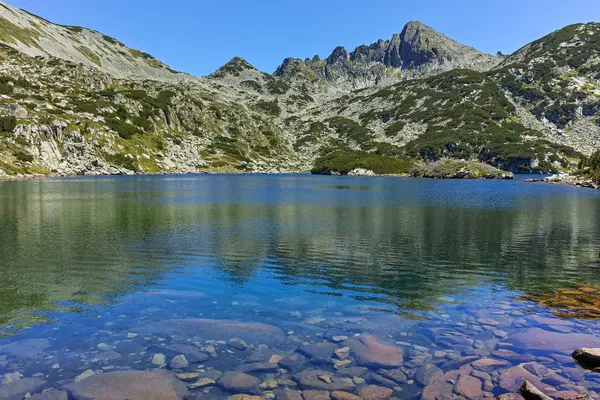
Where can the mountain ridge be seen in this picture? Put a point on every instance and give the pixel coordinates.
(419, 97)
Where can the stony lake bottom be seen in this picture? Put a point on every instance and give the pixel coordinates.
(295, 287)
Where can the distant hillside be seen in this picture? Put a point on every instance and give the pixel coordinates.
(76, 102)
(36, 36)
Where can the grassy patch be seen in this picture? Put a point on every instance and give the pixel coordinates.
(90, 55)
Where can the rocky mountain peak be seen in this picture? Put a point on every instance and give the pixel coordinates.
(418, 50)
(339, 54)
(235, 67)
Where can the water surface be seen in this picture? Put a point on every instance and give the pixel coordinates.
(414, 262)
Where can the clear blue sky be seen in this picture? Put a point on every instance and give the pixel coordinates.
(198, 36)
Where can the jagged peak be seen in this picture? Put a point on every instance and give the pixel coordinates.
(339, 54)
(234, 67)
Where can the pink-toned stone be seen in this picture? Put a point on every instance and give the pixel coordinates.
(315, 395)
(512, 379)
(441, 388)
(469, 387)
(338, 395)
(489, 364)
(373, 392)
(370, 351)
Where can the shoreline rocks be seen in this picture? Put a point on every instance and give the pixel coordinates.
(587, 357)
(566, 179)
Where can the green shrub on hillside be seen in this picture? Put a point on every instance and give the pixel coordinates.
(270, 107)
(7, 124)
(344, 162)
(591, 166)
(124, 129)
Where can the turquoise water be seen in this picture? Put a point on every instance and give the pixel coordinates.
(83, 261)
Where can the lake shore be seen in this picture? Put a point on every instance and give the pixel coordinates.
(565, 179)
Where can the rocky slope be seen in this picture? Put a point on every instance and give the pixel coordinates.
(423, 98)
(35, 36)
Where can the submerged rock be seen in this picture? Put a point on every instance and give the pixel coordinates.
(371, 352)
(28, 348)
(213, 329)
(155, 384)
(339, 395)
(542, 340)
(427, 373)
(51, 395)
(469, 387)
(319, 353)
(288, 394)
(192, 353)
(179, 362)
(316, 395)
(239, 382)
(313, 380)
(372, 392)
(19, 388)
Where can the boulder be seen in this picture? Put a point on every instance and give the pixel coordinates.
(369, 351)
(179, 362)
(17, 111)
(239, 382)
(468, 387)
(587, 356)
(154, 384)
(530, 392)
(213, 329)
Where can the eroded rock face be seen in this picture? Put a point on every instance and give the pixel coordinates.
(371, 352)
(129, 385)
(213, 329)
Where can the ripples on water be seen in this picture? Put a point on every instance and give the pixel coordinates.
(84, 260)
